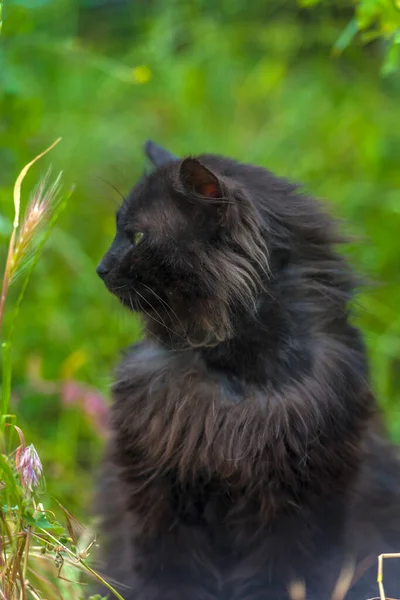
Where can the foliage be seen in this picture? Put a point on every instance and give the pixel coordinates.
(28, 532)
(255, 81)
(373, 20)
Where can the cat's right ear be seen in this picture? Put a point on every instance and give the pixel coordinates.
(157, 155)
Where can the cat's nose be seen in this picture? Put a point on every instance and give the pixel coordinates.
(102, 270)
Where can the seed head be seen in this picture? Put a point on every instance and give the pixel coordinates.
(38, 212)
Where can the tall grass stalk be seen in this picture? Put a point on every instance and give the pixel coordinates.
(34, 214)
(39, 557)
(25, 243)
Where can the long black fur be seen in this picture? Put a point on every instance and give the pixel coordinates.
(246, 460)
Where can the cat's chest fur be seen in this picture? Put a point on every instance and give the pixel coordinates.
(185, 426)
(186, 433)
(149, 370)
(181, 413)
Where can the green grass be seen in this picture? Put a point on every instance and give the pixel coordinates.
(259, 84)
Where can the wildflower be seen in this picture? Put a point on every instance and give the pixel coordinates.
(28, 466)
(94, 405)
(97, 410)
(142, 74)
(71, 393)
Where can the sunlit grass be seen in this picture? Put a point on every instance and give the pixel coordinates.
(31, 535)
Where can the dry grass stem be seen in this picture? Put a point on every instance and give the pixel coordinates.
(382, 595)
(21, 177)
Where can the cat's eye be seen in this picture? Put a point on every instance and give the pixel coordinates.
(136, 238)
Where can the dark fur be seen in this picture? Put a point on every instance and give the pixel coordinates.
(245, 454)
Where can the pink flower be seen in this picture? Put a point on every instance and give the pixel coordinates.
(93, 404)
(71, 392)
(96, 409)
(28, 466)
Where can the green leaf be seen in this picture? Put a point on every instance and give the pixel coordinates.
(346, 37)
(8, 476)
(308, 3)
(392, 59)
(5, 508)
(42, 521)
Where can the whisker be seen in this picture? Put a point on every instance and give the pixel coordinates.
(112, 187)
(130, 301)
(167, 306)
(162, 342)
(161, 322)
(149, 331)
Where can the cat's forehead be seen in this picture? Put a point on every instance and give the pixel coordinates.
(150, 205)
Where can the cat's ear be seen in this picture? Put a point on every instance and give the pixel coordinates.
(198, 178)
(157, 155)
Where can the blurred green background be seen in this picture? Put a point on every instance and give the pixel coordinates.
(257, 81)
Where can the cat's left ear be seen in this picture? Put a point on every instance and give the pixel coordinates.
(197, 178)
(157, 155)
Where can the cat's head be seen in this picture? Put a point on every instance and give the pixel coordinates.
(189, 252)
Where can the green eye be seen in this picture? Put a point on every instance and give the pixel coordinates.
(137, 238)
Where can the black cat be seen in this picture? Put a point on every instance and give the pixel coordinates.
(245, 461)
